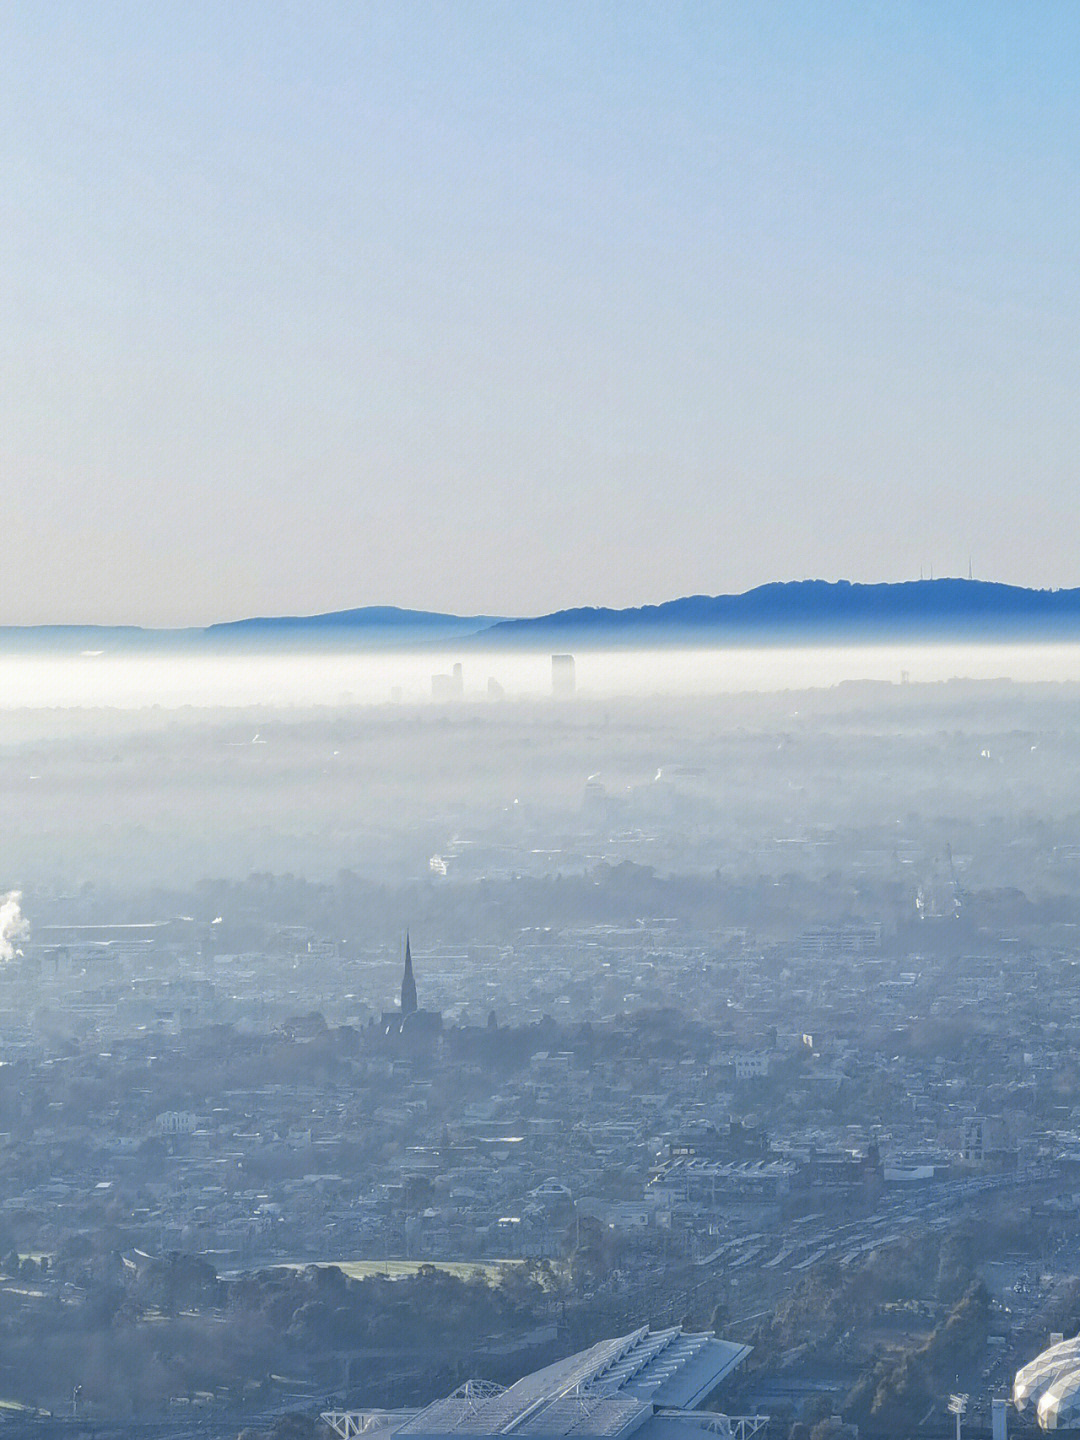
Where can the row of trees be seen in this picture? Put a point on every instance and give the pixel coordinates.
(895, 1394)
(143, 1332)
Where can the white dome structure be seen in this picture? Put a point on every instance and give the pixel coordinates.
(1059, 1408)
(1051, 1383)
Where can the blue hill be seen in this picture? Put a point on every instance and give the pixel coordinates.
(793, 612)
(818, 611)
(371, 627)
(372, 623)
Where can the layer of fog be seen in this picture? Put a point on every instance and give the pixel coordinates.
(430, 794)
(173, 681)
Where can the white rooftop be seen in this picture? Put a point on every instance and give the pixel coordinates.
(609, 1390)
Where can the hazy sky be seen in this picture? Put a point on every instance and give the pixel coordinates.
(502, 307)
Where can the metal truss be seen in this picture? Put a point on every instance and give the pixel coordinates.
(728, 1427)
(351, 1423)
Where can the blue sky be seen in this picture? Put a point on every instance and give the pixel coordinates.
(503, 307)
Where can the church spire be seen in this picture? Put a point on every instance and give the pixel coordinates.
(408, 984)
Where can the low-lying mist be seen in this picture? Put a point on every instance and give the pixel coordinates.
(296, 678)
(231, 767)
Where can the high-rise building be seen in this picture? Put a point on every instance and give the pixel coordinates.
(449, 687)
(563, 681)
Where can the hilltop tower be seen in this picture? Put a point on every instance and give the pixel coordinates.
(408, 984)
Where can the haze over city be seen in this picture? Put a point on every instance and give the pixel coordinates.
(539, 720)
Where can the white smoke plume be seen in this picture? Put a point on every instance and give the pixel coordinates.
(13, 926)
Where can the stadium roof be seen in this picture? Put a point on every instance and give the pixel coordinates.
(608, 1391)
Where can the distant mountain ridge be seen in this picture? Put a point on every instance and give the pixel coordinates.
(369, 627)
(386, 620)
(796, 611)
(820, 610)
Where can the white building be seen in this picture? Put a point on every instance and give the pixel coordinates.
(752, 1065)
(177, 1122)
